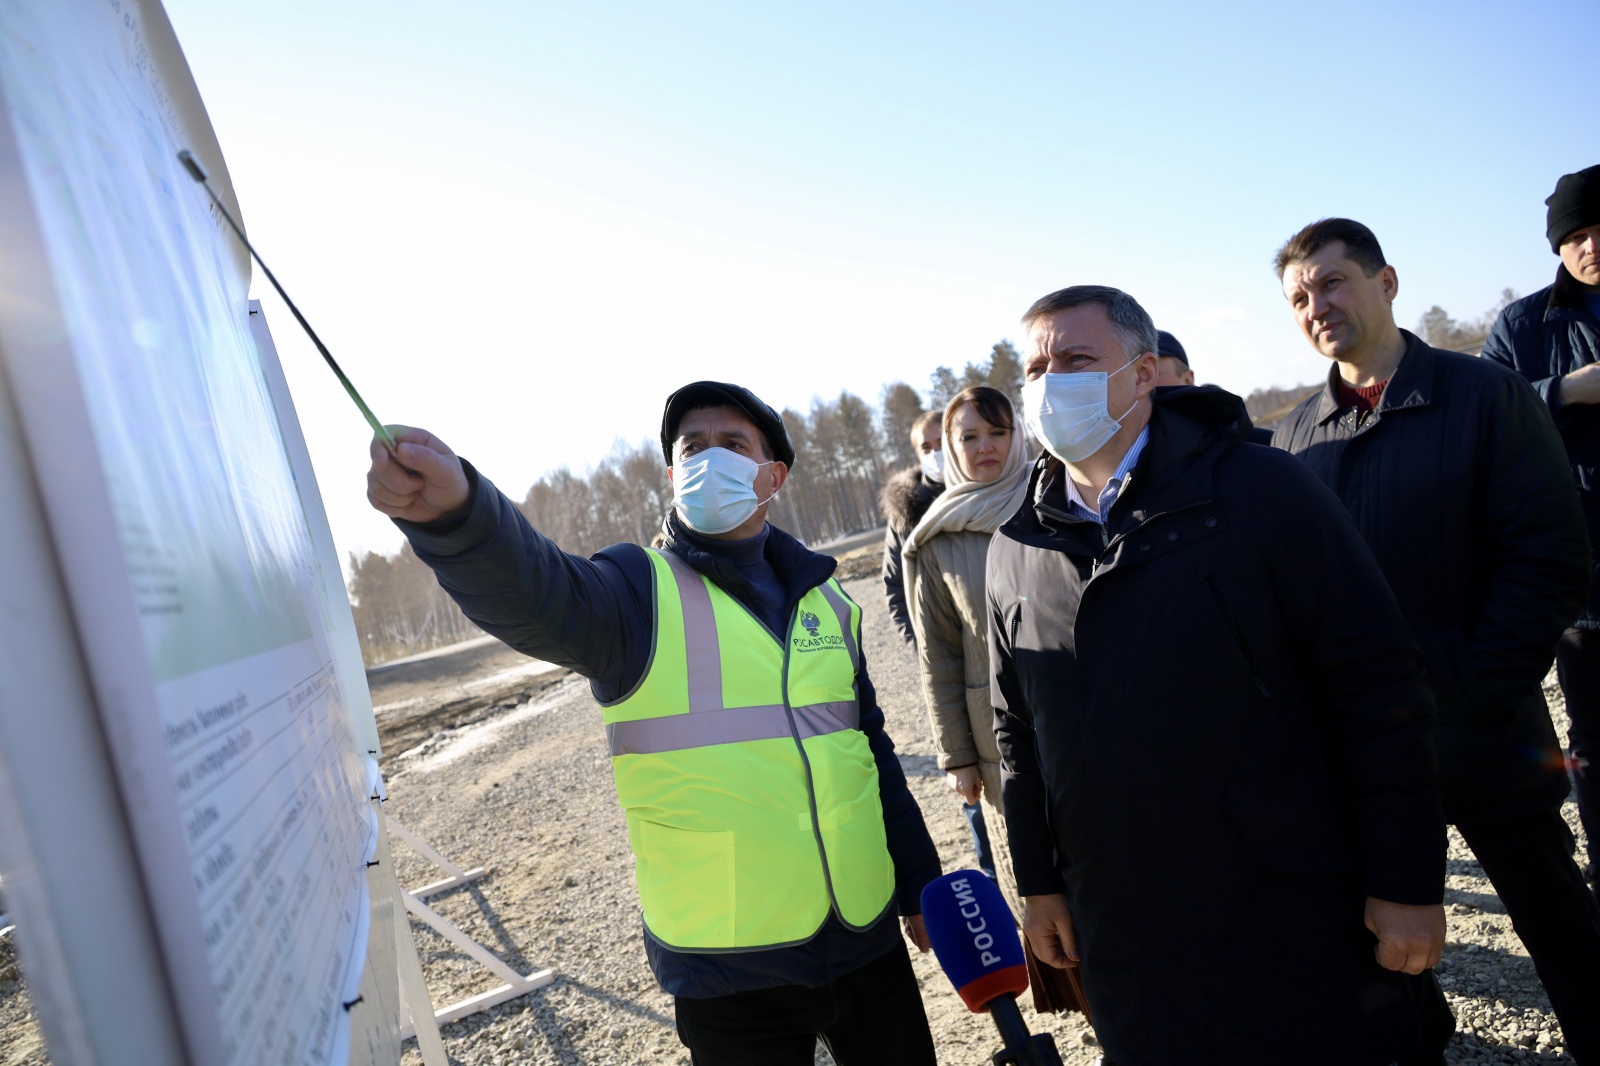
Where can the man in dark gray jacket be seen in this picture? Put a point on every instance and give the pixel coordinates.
(850, 985)
(1552, 338)
(1455, 476)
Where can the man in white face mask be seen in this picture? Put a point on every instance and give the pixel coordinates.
(1241, 839)
(1081, 370)
(774, 837)
(905, 498)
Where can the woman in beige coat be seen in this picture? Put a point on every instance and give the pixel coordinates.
(986, 478)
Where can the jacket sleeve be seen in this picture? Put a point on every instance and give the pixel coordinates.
(1023, 795)
(1505, 339)
(941, 654)
(1536, 539)
(1365, 668)
(515, 584)
(894, 585)
(916, 860)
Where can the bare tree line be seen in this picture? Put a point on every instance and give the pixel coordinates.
(400, 609)
(1267, 407)
(845, 449)
(1440, 330)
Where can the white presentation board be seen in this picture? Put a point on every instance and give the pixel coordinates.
(173, 606)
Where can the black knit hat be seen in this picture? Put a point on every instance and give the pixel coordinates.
(1574, 205)
(1167, 345)
(721, 394)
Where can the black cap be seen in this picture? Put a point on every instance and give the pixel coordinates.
(721, 394)
(1167, 344)
(1573, 206)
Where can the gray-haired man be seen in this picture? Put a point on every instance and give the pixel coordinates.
(1279, 758)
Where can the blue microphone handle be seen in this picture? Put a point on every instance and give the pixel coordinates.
(1022, 1048)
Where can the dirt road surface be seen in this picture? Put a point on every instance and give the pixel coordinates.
(498, 765)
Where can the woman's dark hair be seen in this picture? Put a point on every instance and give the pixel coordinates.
(992, 404)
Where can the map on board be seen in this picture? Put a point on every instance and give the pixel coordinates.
(233, 608)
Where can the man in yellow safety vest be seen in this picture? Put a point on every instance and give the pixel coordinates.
(773, 834)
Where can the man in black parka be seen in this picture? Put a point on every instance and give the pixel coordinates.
(1552, 338)
(904, 500)
(1456, 478)
(1212, 823)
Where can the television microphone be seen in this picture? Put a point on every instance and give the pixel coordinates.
(975, 938)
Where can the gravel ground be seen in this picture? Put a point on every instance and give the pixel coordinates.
(527, 792)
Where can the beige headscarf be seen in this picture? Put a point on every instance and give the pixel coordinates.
(968, 505)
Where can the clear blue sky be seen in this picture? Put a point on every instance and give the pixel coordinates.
(522, 224)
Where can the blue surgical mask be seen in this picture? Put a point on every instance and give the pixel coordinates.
(713, 490)
(1068, 413)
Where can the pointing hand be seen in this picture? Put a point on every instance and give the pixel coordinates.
(427, 484)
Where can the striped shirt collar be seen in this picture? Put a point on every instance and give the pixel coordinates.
(1113, 489)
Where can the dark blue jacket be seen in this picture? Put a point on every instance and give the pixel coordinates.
(1543, 337)
(595, 617)
(1459, 486)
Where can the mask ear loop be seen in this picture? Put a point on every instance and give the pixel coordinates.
(775, 492)
(1135, 402)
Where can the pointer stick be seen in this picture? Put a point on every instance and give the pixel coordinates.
(192, 165)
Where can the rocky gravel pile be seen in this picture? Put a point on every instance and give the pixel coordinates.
(527, 792)
(20, 1042)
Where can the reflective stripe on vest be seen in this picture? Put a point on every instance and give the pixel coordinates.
(751, 793)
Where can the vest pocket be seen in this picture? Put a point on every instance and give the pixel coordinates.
(858, 860)
(686, 884)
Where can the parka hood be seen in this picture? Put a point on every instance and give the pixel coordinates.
(905, 497)
(1206, 405)
(1190, 425)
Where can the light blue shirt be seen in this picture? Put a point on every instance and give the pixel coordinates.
(1113, 489)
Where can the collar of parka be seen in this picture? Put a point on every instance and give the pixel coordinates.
(1189, 429)
(1568, 293)
(799, 568)
(1411, 384)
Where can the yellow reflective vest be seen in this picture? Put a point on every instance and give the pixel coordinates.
(750, 791)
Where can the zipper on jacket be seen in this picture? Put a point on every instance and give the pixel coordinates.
(1058, 516)
(1016, 620)
(1146, 524)
(1237, 635)
(811, 787)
